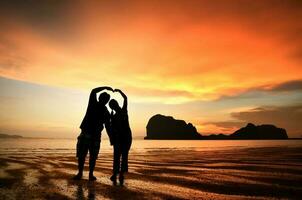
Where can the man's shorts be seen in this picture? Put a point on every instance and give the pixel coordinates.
(88, 143)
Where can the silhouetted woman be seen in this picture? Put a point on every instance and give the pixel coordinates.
(121, 137)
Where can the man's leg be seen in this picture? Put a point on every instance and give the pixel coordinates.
(81, 161)
(93, 155)
(82, 150)
(92, 161)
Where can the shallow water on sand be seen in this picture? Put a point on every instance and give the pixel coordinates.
(42, 169)
(68, 145)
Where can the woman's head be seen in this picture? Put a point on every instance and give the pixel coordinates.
(114, 105)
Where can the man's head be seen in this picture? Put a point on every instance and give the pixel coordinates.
(104, 98)
(114, 105)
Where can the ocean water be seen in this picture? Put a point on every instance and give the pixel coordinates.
(26, 145)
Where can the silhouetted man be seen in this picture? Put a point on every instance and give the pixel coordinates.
(92, 125)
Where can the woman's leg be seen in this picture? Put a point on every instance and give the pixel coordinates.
(124, 166)
(116, 159)
(116, 163)
(125, 153)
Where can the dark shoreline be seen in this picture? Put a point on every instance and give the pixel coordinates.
(141, 138)
(221, 139)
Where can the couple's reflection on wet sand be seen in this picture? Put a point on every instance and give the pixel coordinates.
(90, 186)
(80, 195)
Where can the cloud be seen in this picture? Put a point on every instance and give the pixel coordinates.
(288, 117)
(295, 85)
(197, 50)
(43, 16)
(217, 127)
(227, 124)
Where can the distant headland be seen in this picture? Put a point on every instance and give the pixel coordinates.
(9, 136)
(162, 127)
(253, 132)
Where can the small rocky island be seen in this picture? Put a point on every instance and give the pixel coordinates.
(162, 127)
(260, 132)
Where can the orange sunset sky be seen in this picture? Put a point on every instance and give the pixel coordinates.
(218, 64)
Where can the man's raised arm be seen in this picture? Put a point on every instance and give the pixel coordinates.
(92, 97)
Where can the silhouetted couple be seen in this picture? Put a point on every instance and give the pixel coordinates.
(117, 127)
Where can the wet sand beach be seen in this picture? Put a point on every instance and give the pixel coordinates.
(165, 173)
